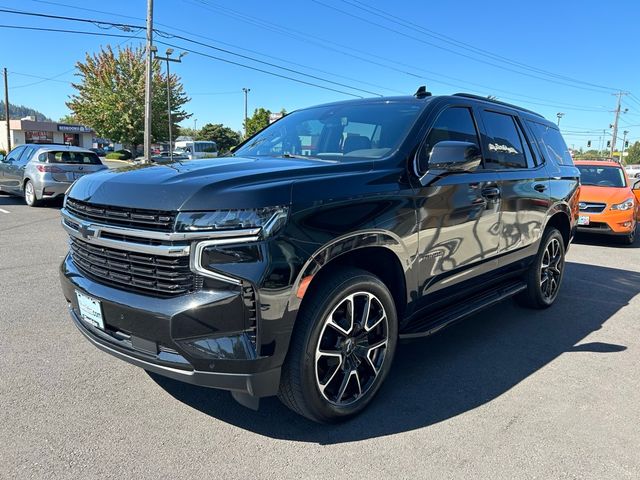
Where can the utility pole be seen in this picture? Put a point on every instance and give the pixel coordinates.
(195, 125)
(246, 93)
(148, 85)
(6, 109)
(614, 133)
(624, 141)
(177, 60)
(559, 115)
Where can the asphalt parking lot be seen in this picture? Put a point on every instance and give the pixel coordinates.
(509, 393)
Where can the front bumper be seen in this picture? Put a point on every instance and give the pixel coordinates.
(157, 334)
(610, 222)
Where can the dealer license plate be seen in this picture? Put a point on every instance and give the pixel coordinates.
(90, 310)
(583, 220)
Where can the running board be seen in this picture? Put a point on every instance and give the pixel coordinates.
(431, 323)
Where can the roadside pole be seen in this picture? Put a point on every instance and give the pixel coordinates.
(246, 93)
(148, 84)
(614, 133)
(177, 60)
(6, 109)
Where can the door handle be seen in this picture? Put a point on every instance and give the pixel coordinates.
(491, 192)
(540, 187)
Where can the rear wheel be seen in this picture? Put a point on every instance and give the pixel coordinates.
(342, 347)
(30, 194)
(545, 274)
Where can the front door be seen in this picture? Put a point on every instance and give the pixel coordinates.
(458, 214)
(11, 169)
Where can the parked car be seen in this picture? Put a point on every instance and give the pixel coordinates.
(98, 151)
(294, 266)
(609, 201)
(45, 172)
(196, 149)
(633, 171)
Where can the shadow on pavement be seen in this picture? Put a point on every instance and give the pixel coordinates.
(455, 371)
(8, 200)
(607, 241)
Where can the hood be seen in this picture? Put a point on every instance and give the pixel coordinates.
(608, 195)
(217, 183)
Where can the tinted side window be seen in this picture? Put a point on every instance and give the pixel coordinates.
(551, 143)
(28, 154)
(455, 124)
(505, 146)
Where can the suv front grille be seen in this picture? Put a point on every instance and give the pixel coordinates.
(157, 220)
(592, 207)
(149, 274)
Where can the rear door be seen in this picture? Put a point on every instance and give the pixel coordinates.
(524, 182)
(458, 214)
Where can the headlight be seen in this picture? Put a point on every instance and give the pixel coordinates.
(626, 205)
(268, 219)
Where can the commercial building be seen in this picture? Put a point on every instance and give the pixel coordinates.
(28, 130)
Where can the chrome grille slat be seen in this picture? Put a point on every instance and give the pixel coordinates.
(592, 207)
(145, 273)
(156, 220)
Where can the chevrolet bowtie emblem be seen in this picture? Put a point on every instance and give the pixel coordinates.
(86, 231)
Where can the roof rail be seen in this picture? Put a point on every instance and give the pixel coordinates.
(498, 102)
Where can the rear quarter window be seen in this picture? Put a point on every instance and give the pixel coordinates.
(551, 143)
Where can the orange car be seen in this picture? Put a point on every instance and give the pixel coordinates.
(609, 200)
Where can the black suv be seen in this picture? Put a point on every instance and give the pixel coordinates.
(293, 266)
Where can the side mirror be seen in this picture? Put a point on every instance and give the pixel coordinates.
(454, 156)
(2, 157)
(636, 185)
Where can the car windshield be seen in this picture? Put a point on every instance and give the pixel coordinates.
(87, 158)
(337, 132)
(602, 176)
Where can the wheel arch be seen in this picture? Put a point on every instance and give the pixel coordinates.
(560, 220)
(377, 252)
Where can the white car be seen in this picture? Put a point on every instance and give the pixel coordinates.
(196, 149)
(633, 171)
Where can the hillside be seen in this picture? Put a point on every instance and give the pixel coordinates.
(20, 111)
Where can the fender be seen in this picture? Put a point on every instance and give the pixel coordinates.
(349, 243)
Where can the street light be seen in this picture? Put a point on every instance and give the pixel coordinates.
(559, 115)
(177, 60)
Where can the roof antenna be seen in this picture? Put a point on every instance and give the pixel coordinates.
(422, 92)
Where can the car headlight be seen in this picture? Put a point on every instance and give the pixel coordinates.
(626, 205)
(267, 219)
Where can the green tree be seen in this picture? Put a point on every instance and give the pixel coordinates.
(69, 118)
(633, 156)
(110, 96)
(224, 137)
(258, 121)
(186, 132)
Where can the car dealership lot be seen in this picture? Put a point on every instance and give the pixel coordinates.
(509, 393)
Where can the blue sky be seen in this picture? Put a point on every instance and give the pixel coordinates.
(472, 46)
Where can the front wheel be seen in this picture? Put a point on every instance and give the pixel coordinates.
(342, 347)
(629, 238)
(545, 274)
(30, 194)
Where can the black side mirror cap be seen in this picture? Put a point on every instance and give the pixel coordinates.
(453, 156)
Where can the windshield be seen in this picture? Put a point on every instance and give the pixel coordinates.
(337, 132)
(602, 176)
(84, 158)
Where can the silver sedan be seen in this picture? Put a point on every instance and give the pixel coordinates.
(43, 172)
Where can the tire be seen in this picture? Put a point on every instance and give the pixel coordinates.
(340, 382)
(30, 197)
(544, 277)
(630, 238)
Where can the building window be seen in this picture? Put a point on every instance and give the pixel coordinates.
(32, 136)
(72, 139)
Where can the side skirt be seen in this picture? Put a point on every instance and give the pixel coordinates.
(432, 322)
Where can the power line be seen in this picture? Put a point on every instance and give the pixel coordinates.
(174, 28)
(407, 35)
(324, 43)
(166, 34)
(459, 44)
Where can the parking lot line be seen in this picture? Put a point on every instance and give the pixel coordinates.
(4, 211)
